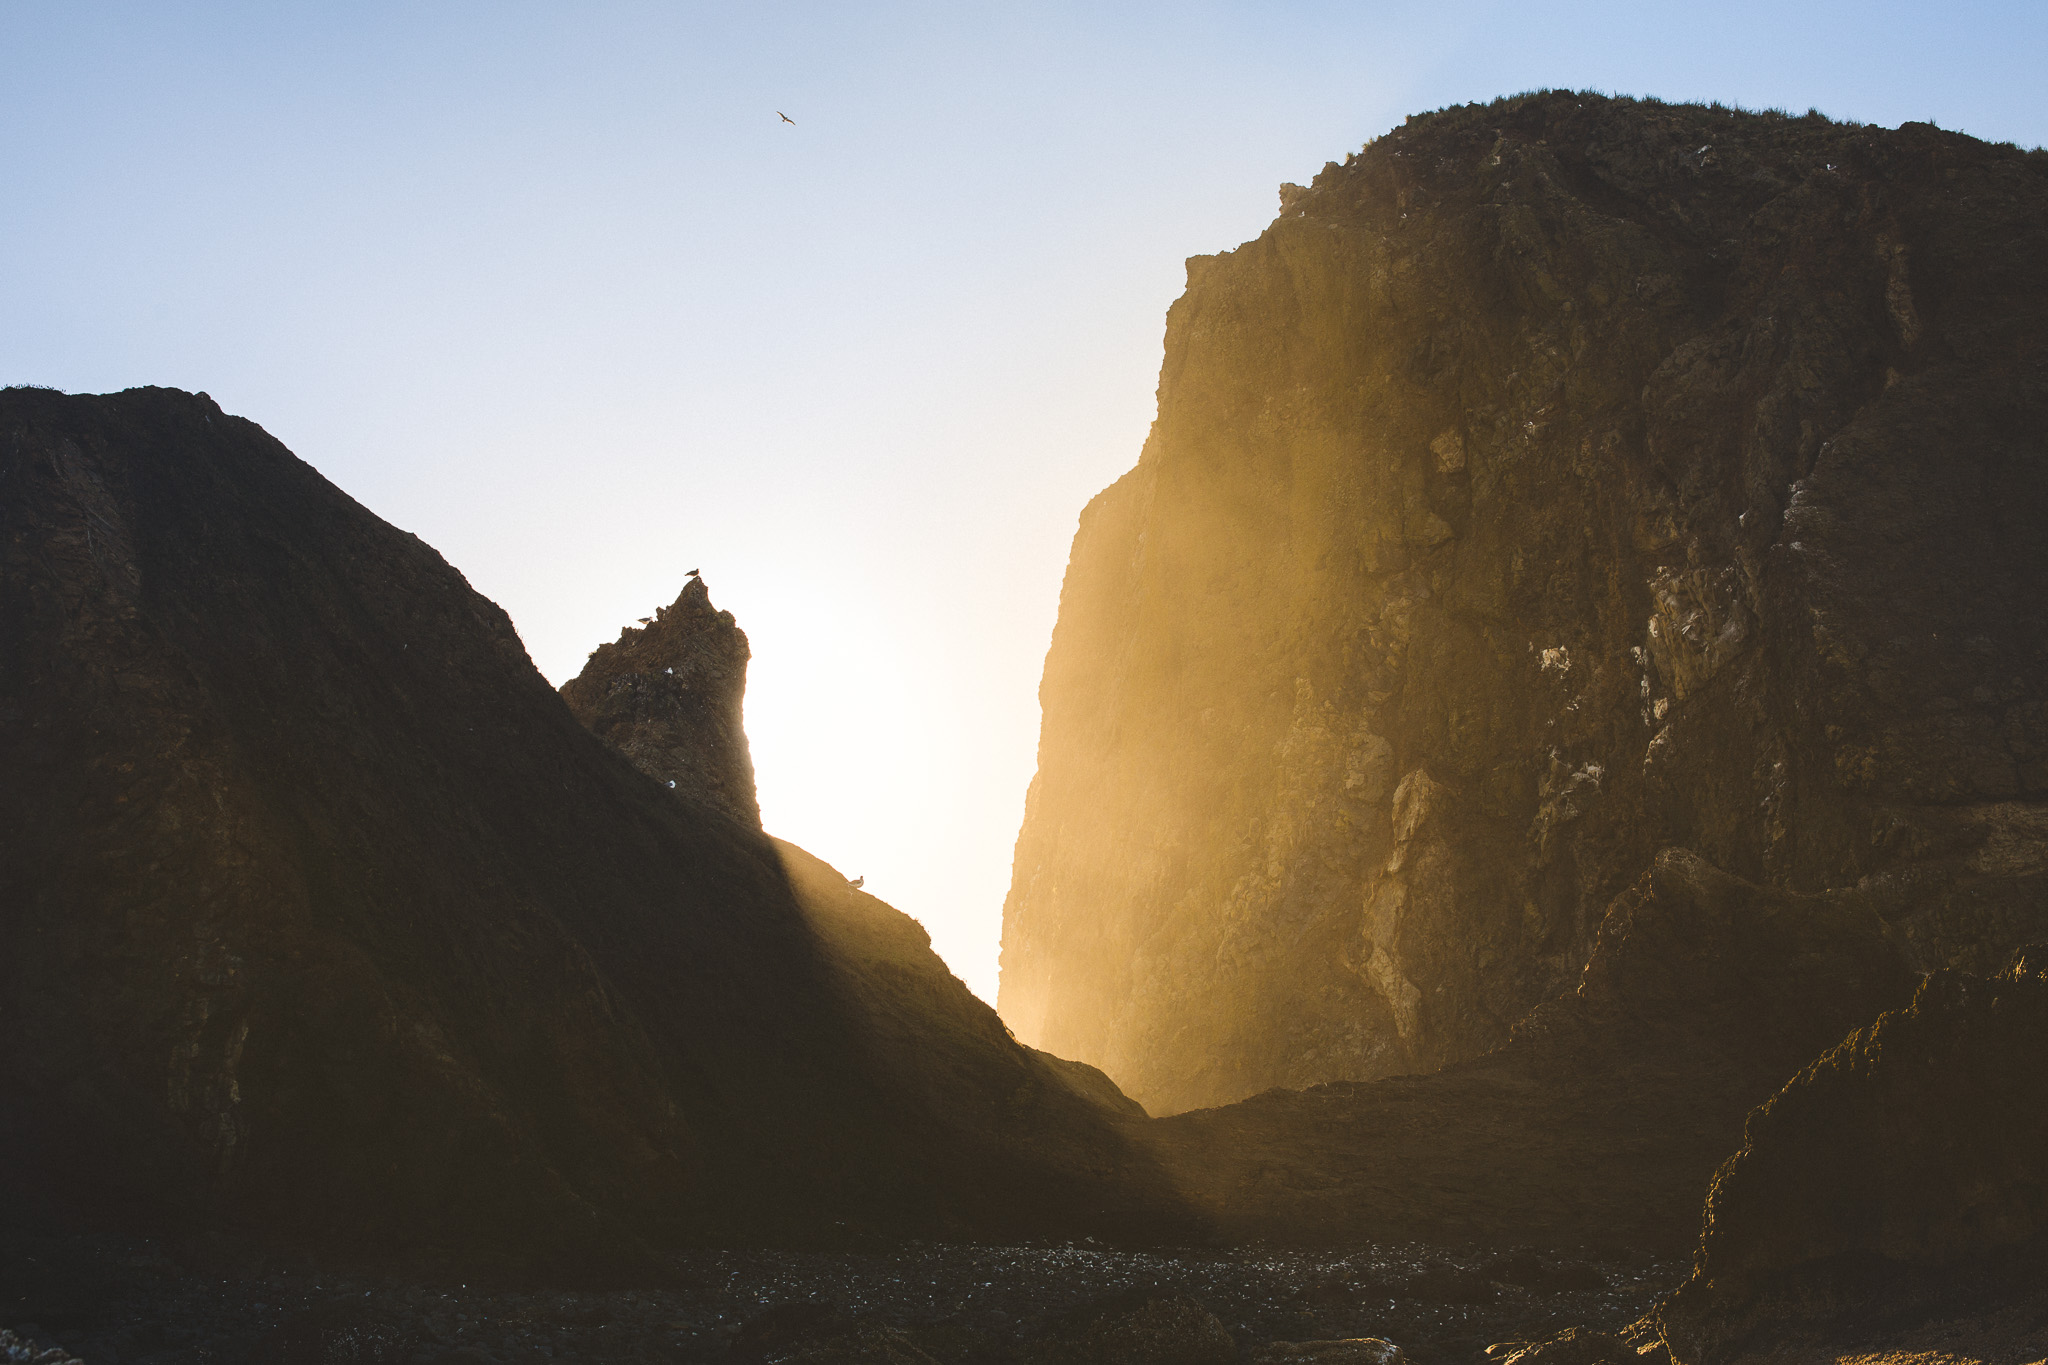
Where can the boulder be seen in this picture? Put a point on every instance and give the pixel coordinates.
(1900, 1180)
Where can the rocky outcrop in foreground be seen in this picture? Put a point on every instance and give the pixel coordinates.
(1890, 1202)
(668, 696)
(321, 917)
(1901, 1178)
(1554, 482)
(1601, 1121)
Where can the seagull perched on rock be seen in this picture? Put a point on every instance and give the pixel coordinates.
(694, 574)
(785, 118)
(858, 882)
(647, 620)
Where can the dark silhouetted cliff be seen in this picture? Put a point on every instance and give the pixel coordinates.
(1554, 482)
(1890, 1201)
(321, 916)
(1901, 1178)
(669, 695)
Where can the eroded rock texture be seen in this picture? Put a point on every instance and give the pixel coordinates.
(321, 916)
(1556, 481)
(1601, 1120)
(1901, 1178)
(669, 696)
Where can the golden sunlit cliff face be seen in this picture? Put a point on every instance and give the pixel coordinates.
(1556, 481)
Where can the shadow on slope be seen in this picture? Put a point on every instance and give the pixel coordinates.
(1003, 1115)
(323, 917)
(1601, 1121)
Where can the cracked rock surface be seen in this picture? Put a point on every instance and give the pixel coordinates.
(1554, 482)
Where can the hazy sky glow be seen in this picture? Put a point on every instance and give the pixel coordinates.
(553, 287)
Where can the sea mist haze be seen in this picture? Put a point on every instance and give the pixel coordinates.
(561, 293)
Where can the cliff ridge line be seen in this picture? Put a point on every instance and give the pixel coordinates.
(1632, 475)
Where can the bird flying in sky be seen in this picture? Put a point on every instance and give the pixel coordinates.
(784, 117)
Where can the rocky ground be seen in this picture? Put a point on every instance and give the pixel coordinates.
(116, 1304)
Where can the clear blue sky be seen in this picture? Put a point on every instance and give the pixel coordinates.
(552, 286)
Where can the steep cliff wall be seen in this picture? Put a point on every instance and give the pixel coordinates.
(1555, 481)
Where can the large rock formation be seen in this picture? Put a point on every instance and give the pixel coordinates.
(1889, 1202)
(1600, 1121)
(1901, 1178)
(321, 916)
(669, 696)
(1556, 481)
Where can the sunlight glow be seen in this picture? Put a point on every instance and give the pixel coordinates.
(555, 288)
